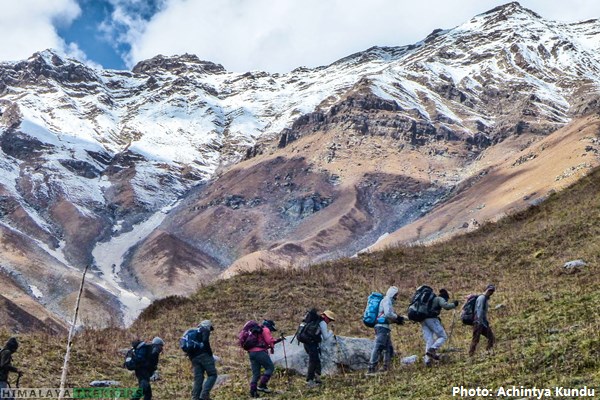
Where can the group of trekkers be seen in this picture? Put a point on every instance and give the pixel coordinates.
(257, 339)
(425, 308)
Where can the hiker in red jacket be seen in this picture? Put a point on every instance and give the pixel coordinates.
(260, 359)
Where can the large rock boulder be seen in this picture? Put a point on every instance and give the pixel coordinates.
(343, 354)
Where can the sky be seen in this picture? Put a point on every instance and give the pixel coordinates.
(242, 35)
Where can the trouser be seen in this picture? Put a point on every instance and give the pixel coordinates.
(144, 384)
(5, 385)
(258, 361)
(434, 335)
(203, 363)
(478, 331)
(314, 360)
(383, 343)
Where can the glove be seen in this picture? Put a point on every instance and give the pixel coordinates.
(455, 303)
(155, 377)
(400, 320)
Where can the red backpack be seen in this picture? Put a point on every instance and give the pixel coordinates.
(251, 336)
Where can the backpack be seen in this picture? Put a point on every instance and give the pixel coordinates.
(251, 336)
(421, 305)
(467, 314)
(2, 366)
(136, 356)
(190, 343)
(370, 316)
(308, 331)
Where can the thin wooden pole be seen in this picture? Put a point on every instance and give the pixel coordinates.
(63, 377)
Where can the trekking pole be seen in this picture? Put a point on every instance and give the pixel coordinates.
(451, 327)
(287, 371)
(338, 347)
(63, 377)
(18, 379)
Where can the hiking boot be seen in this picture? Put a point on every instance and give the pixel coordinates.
(318, 379)
(254, 394)
(312, 383)
(433, 354)
(264, 389)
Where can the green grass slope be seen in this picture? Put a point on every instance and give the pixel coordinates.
(547, 327)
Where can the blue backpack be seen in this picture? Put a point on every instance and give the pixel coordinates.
(191, 343)
(136, 356)
(371, 314)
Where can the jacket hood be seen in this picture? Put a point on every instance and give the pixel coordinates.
(206, 324)
(12, 344)
(391, 292)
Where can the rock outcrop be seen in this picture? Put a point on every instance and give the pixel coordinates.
(337, 355)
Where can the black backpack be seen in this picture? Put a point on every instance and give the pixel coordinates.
(1, 350)
(308, 331)
(136, 356)
(467, 314)
(421, 305)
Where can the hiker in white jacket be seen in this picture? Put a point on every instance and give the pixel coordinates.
(383, 338)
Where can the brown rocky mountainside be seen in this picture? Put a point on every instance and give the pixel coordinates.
(282, 209)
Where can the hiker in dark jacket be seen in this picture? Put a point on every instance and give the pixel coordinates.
(6, 366)
(383, 337)
(313, 376)
(481, 325)
(433, 331)
(203, 362)
(148, 367)
(260, 359)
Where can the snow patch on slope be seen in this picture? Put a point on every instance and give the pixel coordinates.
(109, 255)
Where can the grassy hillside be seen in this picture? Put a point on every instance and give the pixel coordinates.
(547, 326)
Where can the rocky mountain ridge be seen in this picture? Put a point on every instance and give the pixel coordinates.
(168, 175)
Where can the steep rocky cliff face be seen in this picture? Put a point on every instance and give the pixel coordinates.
(175, 173)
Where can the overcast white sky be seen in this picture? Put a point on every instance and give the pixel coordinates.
(271, 35)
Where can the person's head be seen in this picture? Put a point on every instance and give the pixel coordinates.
(392, 293)
(489, 290)
(444, 294)
(328, 316)
(12, 344)
(158, 343)
(268, 323)
(206, 324)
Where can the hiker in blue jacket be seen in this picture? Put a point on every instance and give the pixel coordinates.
(383, 338)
